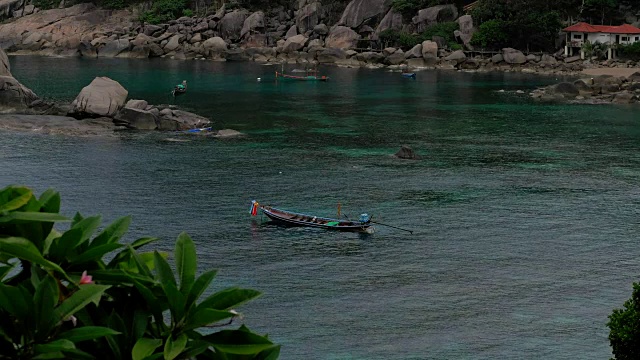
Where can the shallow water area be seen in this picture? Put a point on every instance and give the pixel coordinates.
(525, 215)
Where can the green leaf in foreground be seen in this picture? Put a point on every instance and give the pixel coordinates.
(144, 347)
(87, 333)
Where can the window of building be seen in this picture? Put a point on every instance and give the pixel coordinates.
(637, 38)
(624, 38)
(577, 36)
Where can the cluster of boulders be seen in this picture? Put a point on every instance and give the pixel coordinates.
(103, 99)
(280, 35)
(598, 89)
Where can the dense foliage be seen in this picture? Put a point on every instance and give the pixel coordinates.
(630, 51)
(407, 40)
(624, 325)
(535, 24)
(535, 29)
(81, 295)
(164, 10)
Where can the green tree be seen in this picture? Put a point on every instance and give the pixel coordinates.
(491, 34)
(624, 325)
(527, 24)
(600, 10)
(80, 294)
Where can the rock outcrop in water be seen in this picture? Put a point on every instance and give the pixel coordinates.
(594, 90)
(406, 152)
(15, 97)
(103, 97)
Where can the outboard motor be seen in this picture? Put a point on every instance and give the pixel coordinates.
(365, 218)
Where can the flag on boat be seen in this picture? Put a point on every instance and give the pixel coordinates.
(254, 208)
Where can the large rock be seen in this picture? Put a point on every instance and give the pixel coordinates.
(358, 11)
(635, 77)
(370, 57)
(136, 119)
(14, 97)
(457, 56)
(294, 43)
(624, 97)
(321, 29)
(429, 50)
(331, 55)
(466, 31)
(548, 59)
(308, 17)
(396, 58)
(415, 52)
(5, 67)
(139, 52)
(293, 31)
(180, 120)
(391, 21)
(433, 15)
(342, 37)
(174, 43)
(58, 26)
(103, 97)
(7, 8)
(254, 23)
(231, 25)
(566, 89)
(237, 55)
(215, 44)
(114, 48)
(513, 56)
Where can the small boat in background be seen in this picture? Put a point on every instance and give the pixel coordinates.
(296, 219)
(179, 89)
(199, 130)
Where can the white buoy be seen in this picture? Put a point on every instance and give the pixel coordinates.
(280, 172)
(259, 79)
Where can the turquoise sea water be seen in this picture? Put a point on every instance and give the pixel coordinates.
(525, 215)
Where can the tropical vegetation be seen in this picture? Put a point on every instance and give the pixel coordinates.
(407, 40)
(535, 24)
(84, 294)
(624, 326)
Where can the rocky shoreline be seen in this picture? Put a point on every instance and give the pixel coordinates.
(602, 89)
(99, 109)
(279, 36)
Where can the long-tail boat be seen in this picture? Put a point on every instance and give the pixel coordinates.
(290, 218)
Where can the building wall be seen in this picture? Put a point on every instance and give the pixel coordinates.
(603, 38)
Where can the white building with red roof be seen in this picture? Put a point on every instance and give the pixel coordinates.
(581, 32)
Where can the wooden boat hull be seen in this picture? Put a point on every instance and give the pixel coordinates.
(294, 219)
(302, 78)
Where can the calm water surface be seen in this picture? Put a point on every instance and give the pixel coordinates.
(525, 215)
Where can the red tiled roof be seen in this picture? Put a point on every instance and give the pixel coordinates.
(587, 28)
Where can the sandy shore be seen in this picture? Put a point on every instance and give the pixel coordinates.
(611, 71)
